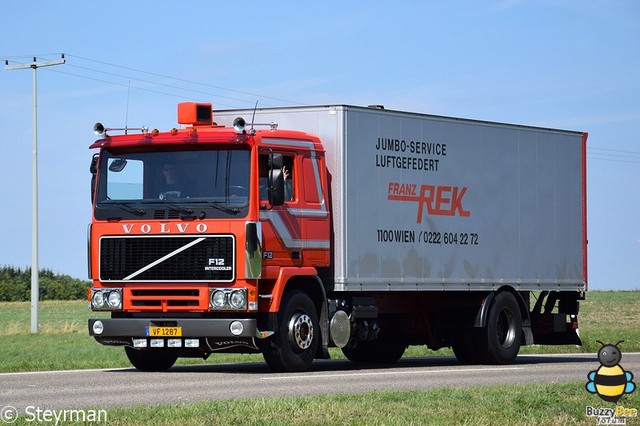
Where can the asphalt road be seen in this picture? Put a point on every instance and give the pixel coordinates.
(94, 389)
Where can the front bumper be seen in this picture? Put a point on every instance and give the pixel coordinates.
(198, 336)
(191, 327)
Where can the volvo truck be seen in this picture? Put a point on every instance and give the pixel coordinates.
(287, 231)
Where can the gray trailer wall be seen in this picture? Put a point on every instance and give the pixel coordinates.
(433, 203)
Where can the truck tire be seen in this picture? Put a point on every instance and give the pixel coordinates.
(502, 336)
(383, 351)
(295, 343)
(150, 359)
(466, 347)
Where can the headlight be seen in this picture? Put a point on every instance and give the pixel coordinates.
(218, 299)
(237, 299)
(97, 301)
(114, 300)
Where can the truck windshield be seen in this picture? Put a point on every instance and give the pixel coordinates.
(133, 183)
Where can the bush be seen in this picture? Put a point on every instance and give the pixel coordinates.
(15, 285)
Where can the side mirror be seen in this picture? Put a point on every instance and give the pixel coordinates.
(275, 161)
(276, 187)
(93, 168)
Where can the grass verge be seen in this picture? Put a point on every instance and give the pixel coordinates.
(561, 404)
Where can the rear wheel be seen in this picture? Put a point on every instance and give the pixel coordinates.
(150, 359)
(502, 336)
(466, 348)
(295, 343)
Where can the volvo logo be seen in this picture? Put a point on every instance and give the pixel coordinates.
(164, 228)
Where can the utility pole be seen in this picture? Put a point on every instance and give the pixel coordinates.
(35, 284)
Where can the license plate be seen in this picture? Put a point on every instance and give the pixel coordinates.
(164, 331)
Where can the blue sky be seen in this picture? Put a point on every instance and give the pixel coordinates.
(570, 64)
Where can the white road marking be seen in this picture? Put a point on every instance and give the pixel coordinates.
(89, 370)
(388, 373)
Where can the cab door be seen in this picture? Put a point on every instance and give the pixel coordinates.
(297, 232)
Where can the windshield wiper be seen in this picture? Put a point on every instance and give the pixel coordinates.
(128, 208)
(217, 206)
(178, 207)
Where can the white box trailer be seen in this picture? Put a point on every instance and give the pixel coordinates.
(424, 202)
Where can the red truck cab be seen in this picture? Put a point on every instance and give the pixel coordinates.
(196, 230)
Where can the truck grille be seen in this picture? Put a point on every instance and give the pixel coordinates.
(167, 299)
(161, 259)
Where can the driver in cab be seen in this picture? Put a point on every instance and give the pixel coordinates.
(172, 185)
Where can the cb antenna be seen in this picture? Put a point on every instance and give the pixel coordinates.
(253, 118)
(126, 118)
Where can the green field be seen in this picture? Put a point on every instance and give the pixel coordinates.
(63, 343)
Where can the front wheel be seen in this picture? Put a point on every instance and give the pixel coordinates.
(295, 343)
(150, 359)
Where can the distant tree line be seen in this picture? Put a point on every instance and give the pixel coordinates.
(15, 285)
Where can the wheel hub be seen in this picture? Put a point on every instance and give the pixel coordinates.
(301, 331)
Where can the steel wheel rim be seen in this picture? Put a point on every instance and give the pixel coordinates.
(301, 332)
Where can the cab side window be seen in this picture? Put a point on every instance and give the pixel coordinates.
(287, 170)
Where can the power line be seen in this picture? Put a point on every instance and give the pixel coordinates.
(614, 160)
(613, 150)
(86, 77)
(254, 95)
(599, 154)
(129, 78)
(611, 154)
